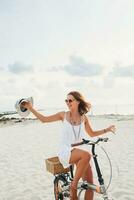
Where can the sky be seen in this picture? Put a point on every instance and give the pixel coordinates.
(51, 47)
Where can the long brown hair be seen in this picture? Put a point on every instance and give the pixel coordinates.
(83, 106)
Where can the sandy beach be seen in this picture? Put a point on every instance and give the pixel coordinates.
(25, 146)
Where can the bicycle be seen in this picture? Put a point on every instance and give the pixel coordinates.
(63, 177)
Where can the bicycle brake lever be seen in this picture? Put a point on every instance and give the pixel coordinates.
(102, 140)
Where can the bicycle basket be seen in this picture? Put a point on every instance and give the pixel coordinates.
(54, 166)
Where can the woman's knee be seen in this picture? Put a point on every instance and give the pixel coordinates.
(86, 156)
(77, 155)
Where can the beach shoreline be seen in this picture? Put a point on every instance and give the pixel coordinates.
(7, 120)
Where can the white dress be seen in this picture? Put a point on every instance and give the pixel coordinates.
(70, 135)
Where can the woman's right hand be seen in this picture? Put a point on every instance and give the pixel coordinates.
(26, 104)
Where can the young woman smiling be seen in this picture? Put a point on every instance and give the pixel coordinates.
(76, 125)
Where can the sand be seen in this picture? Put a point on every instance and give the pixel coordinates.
(24, 147)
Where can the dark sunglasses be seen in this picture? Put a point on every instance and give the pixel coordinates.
(69, 100)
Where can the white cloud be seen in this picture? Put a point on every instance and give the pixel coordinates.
(123, 71)
(19, 68)
(1, 68)
(78, 66)
(108, 81)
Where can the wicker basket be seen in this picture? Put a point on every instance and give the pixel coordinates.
(54, 166)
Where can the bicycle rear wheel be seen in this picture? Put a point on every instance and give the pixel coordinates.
(59, 192)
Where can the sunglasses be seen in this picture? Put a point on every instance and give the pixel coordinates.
(69, 100)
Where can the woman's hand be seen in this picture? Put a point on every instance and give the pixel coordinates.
(111, 129)
(26, 104)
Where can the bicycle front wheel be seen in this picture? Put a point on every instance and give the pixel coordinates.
(59, 188)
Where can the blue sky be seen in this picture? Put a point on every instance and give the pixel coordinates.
(50, 47)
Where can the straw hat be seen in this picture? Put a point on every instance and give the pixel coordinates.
(23, 112)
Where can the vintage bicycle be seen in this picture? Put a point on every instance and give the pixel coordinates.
(64, 176)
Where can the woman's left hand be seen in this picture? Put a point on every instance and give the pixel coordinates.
(111, 129)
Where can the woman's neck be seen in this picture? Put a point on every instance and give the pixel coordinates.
(74, 113)
(75, 117)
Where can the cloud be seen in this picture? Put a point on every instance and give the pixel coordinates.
(111, 78)
(55, 68)
(1, 68)
(79, 67)
(108, 81)
(19, 68)
(127, 71)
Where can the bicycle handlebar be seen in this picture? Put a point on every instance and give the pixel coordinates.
(89, 142)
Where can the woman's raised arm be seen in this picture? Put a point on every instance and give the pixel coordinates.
(51, 118)
(92, 133)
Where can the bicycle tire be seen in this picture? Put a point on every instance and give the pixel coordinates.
(59, 182)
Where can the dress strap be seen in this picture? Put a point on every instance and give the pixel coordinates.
(65, 114)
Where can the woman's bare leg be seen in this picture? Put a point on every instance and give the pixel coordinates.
(81, 158)
(88, 176)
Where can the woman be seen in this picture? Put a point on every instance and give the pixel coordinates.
(75, 127)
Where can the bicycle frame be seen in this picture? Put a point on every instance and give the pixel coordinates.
(100, 178)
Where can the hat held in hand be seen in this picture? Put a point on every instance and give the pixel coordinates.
(23, 112)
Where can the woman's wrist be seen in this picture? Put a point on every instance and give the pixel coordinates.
(30, 108)
(105, 130)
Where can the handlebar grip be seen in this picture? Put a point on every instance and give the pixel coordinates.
(77, 144)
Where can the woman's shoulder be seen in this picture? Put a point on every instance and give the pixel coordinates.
(62, 114)
(85, 118)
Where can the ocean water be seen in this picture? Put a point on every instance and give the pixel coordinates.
(117, 109)
(25, 146)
